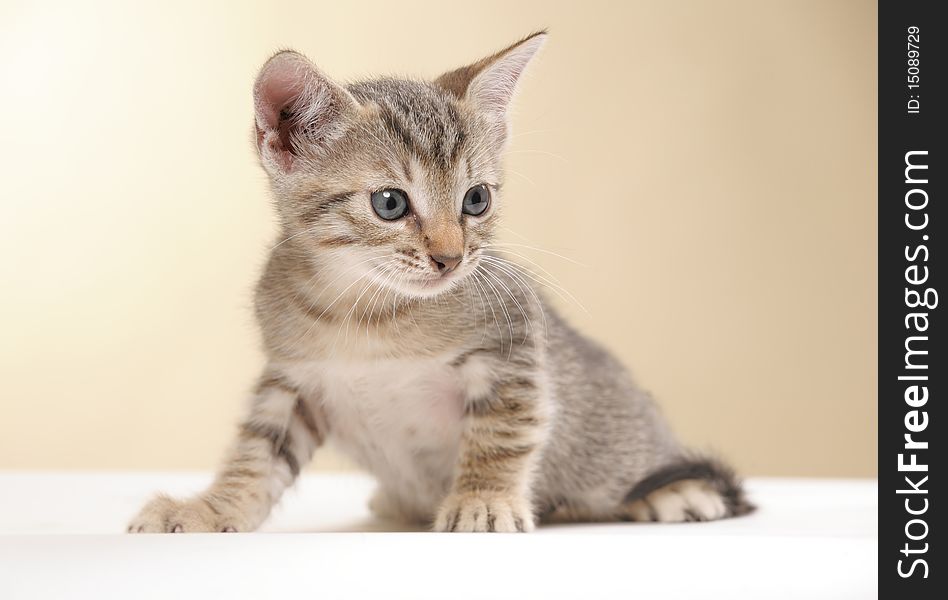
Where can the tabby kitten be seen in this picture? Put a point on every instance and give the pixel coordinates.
(394, 330)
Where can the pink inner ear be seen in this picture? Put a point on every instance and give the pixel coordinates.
(294, 104)
(277, 88)
(280, 84)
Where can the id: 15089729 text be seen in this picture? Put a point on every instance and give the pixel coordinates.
(914, 104)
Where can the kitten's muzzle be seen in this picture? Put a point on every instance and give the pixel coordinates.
(444, 263)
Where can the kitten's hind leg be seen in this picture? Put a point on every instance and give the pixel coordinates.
(690, 490)
(275, 440)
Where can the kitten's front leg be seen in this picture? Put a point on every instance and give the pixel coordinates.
(278, 436)
(500, 446)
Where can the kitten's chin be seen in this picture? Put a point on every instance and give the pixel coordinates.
(428, 288)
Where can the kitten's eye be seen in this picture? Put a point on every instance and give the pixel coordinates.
(390, 204)
(476, 200)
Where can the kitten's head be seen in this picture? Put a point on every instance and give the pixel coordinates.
(390, 180)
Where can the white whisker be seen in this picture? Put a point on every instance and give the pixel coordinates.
(525, 287)
(501, 244)
(506, 288)
(503, 307)
(556, 288)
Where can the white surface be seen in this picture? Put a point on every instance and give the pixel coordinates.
(61, 537)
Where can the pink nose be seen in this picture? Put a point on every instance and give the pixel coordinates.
(445, 264)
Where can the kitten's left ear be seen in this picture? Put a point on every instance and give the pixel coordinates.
(490, 82)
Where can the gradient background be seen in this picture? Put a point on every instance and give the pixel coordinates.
(711, 164)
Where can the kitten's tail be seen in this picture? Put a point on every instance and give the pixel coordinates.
(690, 489)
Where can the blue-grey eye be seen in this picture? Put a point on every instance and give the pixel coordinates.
(476, 200)
(390, 204)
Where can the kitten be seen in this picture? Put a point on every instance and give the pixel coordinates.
(394, 330)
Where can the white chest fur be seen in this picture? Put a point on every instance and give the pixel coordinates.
(400, 419)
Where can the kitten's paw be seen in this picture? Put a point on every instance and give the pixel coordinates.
(167, 515)
(688, 500)
(483, 511)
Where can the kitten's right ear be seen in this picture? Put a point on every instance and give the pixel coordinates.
(297, 109)
(490, 82)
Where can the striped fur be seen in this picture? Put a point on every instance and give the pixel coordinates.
(278, 436)
(474, 404)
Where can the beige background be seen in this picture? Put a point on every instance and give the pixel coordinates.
(712, 164)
